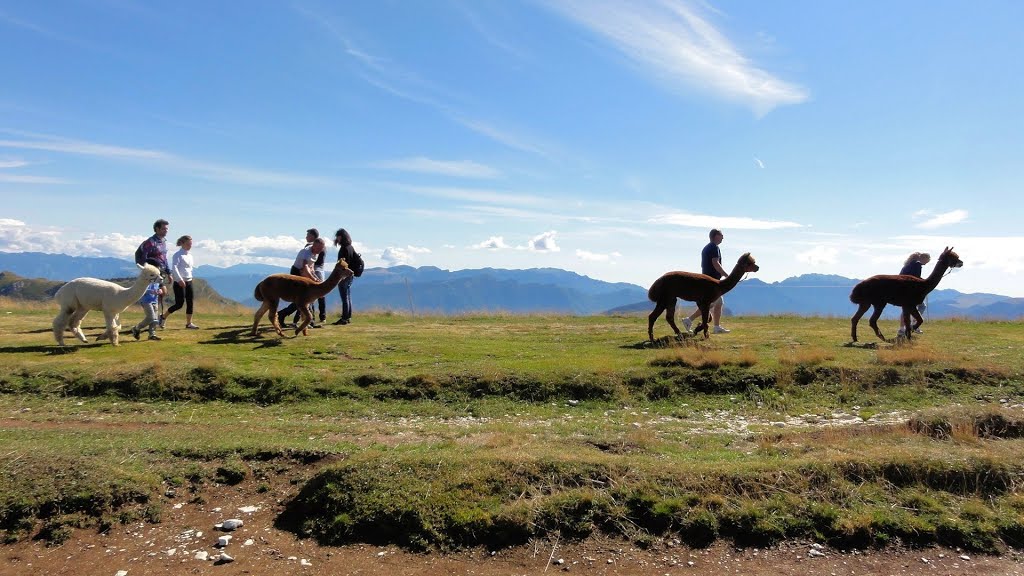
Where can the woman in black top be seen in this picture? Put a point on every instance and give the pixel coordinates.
(343, 240)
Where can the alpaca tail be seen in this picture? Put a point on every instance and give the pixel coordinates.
(654, 293)
(256, 293)
(857, 294)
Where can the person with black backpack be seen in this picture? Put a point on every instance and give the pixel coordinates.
(343, 240)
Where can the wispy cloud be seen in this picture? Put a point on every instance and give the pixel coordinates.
(197, 168)
(28, 179)
(722, 222)
(4, 164)
(673, 41)
(940, 220)
(393, 78)
(477, 195)
(759, 162)
(457, 168)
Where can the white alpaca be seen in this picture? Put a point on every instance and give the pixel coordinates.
(78, 297)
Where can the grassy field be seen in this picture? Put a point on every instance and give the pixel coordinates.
(442, 432)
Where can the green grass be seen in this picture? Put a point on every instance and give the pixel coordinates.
(442, 432)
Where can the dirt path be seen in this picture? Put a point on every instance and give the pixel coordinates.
(259, 549)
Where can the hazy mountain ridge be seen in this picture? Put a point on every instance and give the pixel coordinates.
(434, 290)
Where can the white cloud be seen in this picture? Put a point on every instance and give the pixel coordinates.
(678, 45)
(759, 162)
(492, 243)
(543, 242)
(819, 256)
(723, 223)
(457, 168)
(393, 256)
(595, 257)
(944, 219)
(12, 163)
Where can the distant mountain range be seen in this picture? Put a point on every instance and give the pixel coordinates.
(433, 290)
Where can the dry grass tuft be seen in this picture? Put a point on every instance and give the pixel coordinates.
(907, 355)
(809, 356)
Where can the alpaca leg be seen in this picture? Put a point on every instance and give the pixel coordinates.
(259, 316)
(59, 324)
(873, 322)
(705, 316)
(652, 318)
(918, 320)
(670, 317)
(306, 319)
(76, 324)
(905, 315)
(273, 316)
(112, 332)
(856, 318)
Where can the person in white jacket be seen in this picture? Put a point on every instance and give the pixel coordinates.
(181, 278)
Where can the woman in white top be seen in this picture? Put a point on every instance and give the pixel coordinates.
(181, 274)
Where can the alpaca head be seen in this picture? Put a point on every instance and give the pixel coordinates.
(148, 272)
(747, 263)
(950, 258)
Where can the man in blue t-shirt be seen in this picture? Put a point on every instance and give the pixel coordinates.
(711, 265)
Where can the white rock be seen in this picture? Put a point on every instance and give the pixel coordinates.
(202, 555)
(178, 506)
(199, 534)
(223, 541)
(248, 542)
(232, 524)
(225, 558)
(172, 551)
(248, 509)
(965, 557)
(560, 561)
(815, 553)
(305, 562)
(119, 572)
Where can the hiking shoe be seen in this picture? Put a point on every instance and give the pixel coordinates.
(687, 324)
(315, 325)
(154, 337)
(162, 320)
(902, 332)
(135, 332)
(918, 331)
(721, 330)
(191, 326)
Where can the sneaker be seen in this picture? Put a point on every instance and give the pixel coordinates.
(315, 325)
(687, 324)
(162, 320)
(918, 331)
(154, 337)
(191, 326)
(721, 330)
(135, 332)
(902, 332)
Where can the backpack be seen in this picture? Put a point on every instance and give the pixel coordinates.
(356, 264)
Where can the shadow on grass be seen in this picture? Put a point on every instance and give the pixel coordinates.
(241, 336)
(663, 342)
(50, 349)
(862, 345)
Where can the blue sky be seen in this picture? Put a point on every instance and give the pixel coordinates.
(601, 137)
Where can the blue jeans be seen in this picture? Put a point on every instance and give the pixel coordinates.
(345, 291)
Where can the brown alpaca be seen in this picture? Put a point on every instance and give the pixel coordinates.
(699, 288)
(898, 290)
(298, 289)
